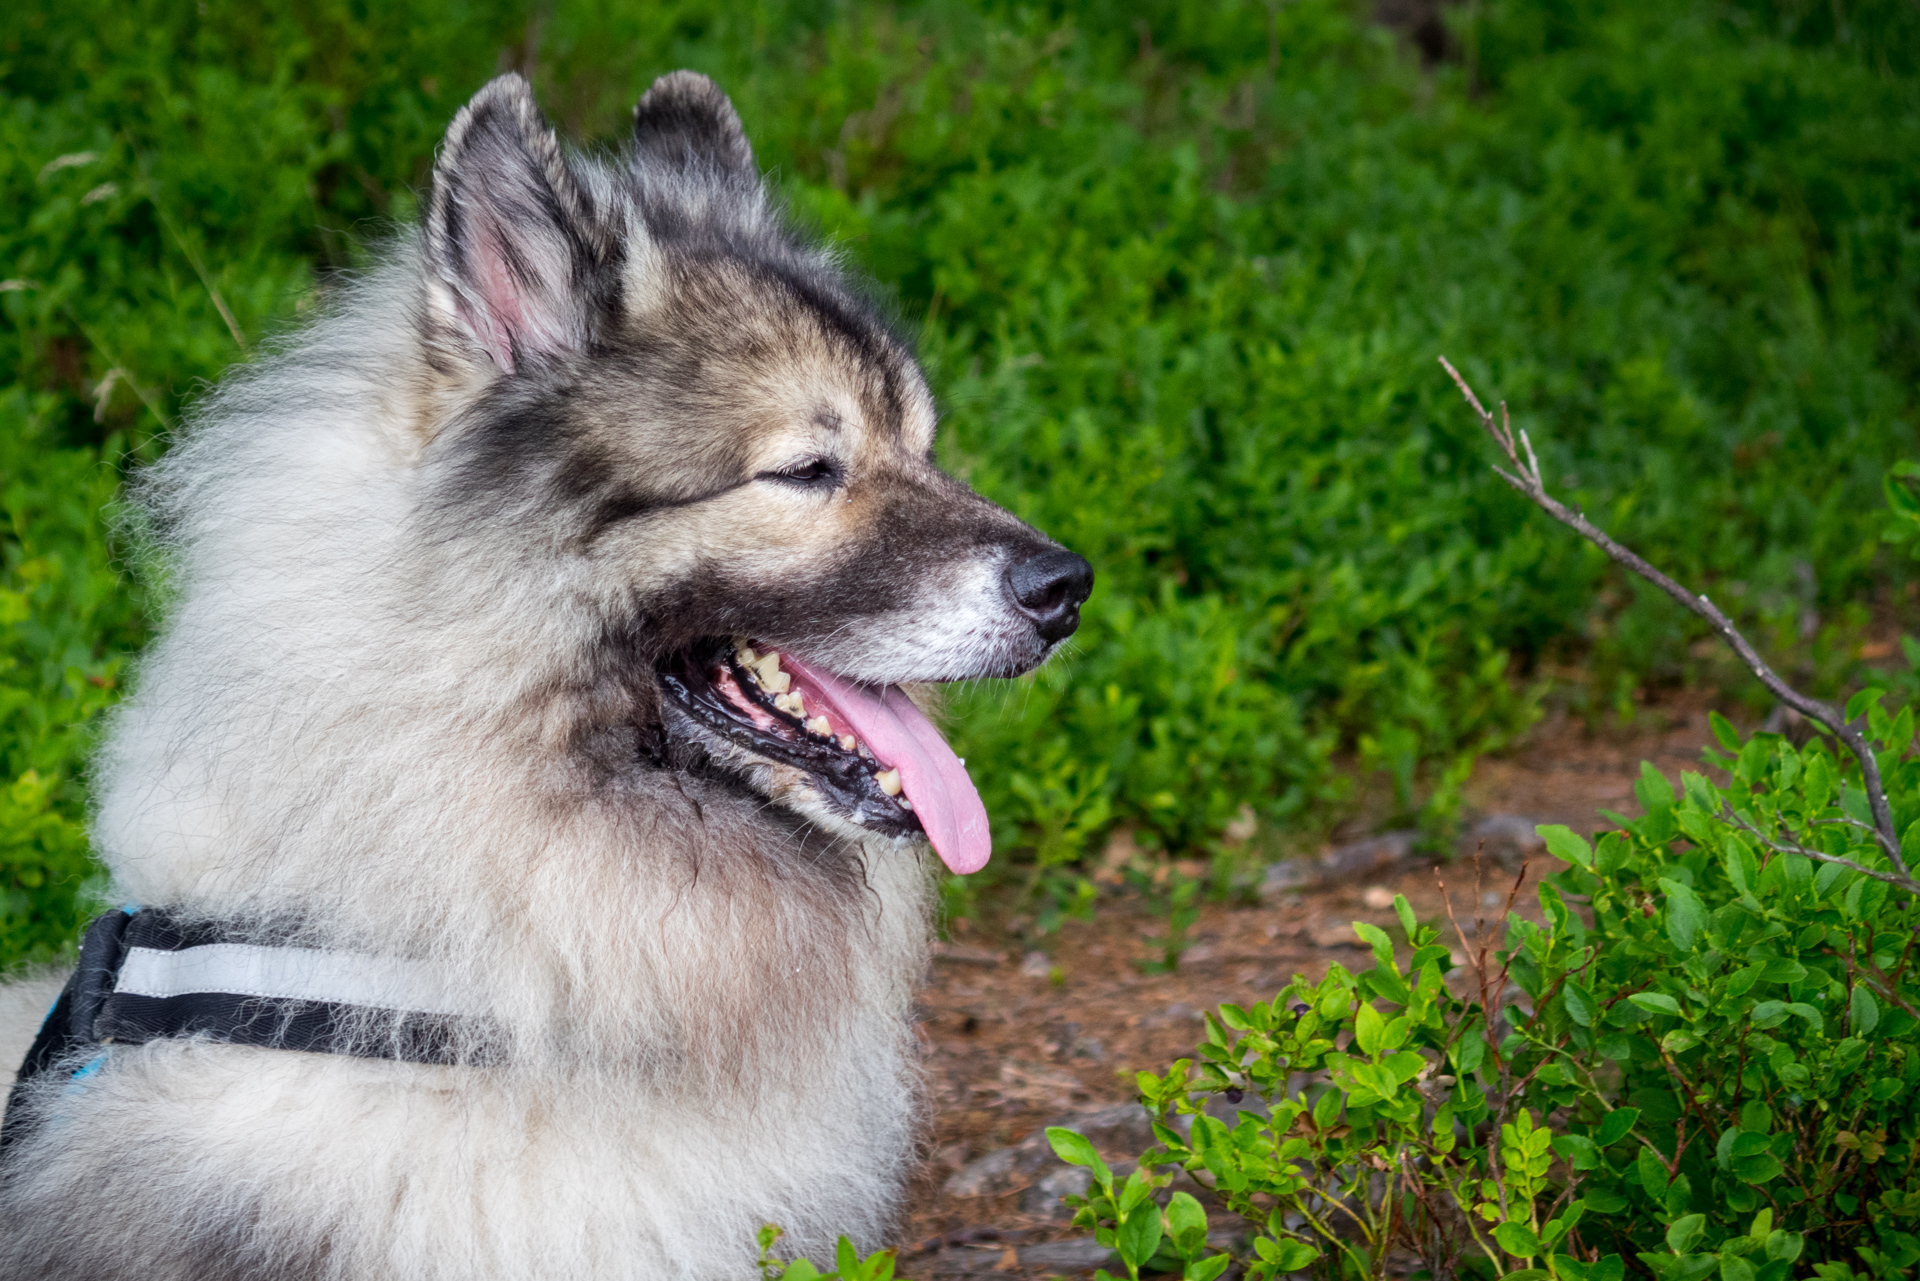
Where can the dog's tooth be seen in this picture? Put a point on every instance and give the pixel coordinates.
(767, 664)
(906, 804)
(889, 780)
(848, 742)
(797, 702)
(778, 683)
(747, 656)
(865, 753)
(820, 725)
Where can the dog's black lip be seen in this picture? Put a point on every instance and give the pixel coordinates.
(844, 779)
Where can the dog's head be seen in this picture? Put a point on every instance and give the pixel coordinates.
(732, 452)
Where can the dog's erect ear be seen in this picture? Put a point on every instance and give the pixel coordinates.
(685, 124)
(692, 159)
(512, 239)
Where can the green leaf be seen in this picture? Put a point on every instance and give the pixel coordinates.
(1369, 1030)
(1616, 1126)
(1684, 1232)
(1377, 939)
(1075, 1150)
(1186, 1224)
(1723, 730)
(1735, 1268)
(1655, 1002)
(1207, 1269)
(1686, 914)
(1405, 1065)
(1581, 1007)
(1653, 1175)
(1517, 1239)
(800, 1270)
(1376, 1077)
(1565, 845)
(1612, 853)
(1286, 1254)
(1784, 1245)
(846, 1259)
(1580, 1152)
(1138, 1239)
(1757, 1169)
(1469, 1051)
(1652, 789)
(1816, 782)
(1808, 1015)
(1742, 868)
(1408, 921)
(1863, 1012)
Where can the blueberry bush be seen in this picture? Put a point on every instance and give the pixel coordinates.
(1719, 1073)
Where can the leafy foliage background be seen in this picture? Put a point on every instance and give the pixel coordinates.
(1179, 273)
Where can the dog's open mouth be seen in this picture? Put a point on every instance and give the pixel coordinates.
(869, 753)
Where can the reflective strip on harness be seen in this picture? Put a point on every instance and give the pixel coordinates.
(147, 975)
(290, 974)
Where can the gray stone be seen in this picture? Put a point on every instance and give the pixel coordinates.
(990, 1175)
(1082, 1254)
(1120, 1132)
(1047, 1196)
(1342, 863)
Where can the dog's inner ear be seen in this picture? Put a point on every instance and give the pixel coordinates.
(691, 155)
(511, 235)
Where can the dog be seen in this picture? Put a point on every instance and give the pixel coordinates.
(540, 620)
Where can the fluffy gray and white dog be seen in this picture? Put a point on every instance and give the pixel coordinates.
(538, 615)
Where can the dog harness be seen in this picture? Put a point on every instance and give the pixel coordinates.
(144, 976)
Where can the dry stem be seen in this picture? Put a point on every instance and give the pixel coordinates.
(1526, 478)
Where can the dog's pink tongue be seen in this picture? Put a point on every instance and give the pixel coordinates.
(900, 736)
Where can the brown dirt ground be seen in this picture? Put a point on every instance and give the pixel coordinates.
(1008, 1050)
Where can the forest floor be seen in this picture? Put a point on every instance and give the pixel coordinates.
(1016, 1041)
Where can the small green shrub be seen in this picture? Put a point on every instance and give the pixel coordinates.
(848, 1263)
(1720, 1073)
(1130, 1221)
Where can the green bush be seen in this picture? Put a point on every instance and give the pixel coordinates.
(1179, 273)
(1721, 1073)
(848, 1264)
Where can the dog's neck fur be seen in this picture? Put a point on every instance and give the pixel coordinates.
(368, 725)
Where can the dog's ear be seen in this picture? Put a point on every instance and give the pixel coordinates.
(685, 124)
(691, 155)
(513, 243)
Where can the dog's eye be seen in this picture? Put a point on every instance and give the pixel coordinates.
(813, 471)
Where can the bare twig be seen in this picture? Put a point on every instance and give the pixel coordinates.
(1529, 482)
(1899, 880)
(1877, 982)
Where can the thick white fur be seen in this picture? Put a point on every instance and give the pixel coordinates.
(350, 719)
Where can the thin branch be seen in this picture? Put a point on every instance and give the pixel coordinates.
(1529, 482)
(1899, 880)
(1877, 982)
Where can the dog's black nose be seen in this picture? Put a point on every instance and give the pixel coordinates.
(1049, 589)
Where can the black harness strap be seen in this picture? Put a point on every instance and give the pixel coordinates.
(92, 1010)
